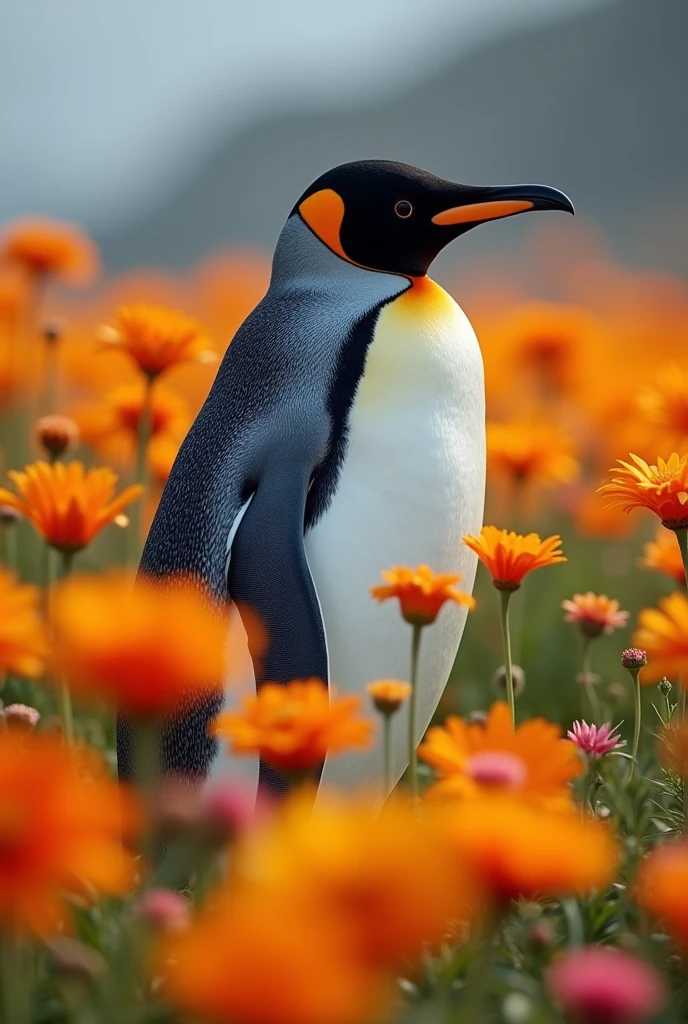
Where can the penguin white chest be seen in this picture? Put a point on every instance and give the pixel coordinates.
(411, 485)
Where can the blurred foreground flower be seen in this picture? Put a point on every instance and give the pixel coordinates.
(43, 248)
(531, 761)
(515, 849)
(663, 633)
(142, 647)
(672, 747)
(596, 985)
(593, 740)
(157, 339)
(23, 645)
(67, 504)
(661, 887)
(422, 593)
(664, 555)
(295, 726)
(61, 822)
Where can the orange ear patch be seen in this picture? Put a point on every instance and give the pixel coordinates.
(323, 212)
(476, 212)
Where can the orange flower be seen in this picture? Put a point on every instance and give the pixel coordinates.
(67, 504)
(594, 613)
(663, 407)
(142, 647)
(661, 887)
(532, 761)
(112, 423)
(61, 821)
(293, 727)
(157, 338)
(388, 694)
(510, 556)
(514, 849)
(248, 959)
(383, 876)
(672, 747)
(662, 488)
(22, 637)
(421, 592)
(48, 248)
(531, 451)
(664, 555)
(663, 633)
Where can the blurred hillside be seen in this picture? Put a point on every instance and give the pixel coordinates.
(593, 105)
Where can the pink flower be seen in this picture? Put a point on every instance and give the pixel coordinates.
(597, 985)
(594, 613)
(164, 910)
(227, 810)
(593, 740)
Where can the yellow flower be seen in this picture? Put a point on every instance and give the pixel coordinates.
(61, 822)
(294, 726)
(532, 761)
(662, 488)
(664, 555)
(157, 339)
(67, 504)
(388, 694)
(22, 637)
(47, 248)
(531, 451)
(510, 556)
(421, 592)
(663, 633)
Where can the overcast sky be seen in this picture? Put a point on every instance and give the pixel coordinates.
(97, 93)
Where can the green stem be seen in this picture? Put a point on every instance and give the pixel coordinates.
(146, 751)
(682, 538)
(505, 597)
(635, 676)
(413, 709)
(477, 987)
(588, 682)
(51, 378)
(14, 989)
(65, 697)
(387, 752)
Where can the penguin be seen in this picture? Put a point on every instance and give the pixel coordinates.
(344, 434)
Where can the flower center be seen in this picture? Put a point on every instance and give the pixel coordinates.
(497, 768)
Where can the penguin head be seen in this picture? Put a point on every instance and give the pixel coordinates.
(395, 218)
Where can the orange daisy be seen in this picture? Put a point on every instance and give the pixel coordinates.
(662, 488)
(529, 451)
(49, 248)
(663, 407)
(421, 592)
(294, 726)
(67, 504)
(663, 633)
(61, 822)
(661, 887)
(532, 761)
(144, 647)
(594, 613)
(510, 556)
(514, 849)
(156, 338)
(22, 636)
(664, 555)
(388, 694)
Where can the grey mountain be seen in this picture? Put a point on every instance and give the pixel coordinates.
(595, 105)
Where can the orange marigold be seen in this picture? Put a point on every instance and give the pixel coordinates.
(157, 338)
(294, 726)
(594, 613)
(531, 451)
(532, 760)
(61, 822)
(510, 556)
(661, 887)
(515, 849)
(662, 488)
(663, 633)
(22, 637)
(144, 647)
(67, 504)
(421, 592)
(41, 248)
(664, 555)
(388, 694)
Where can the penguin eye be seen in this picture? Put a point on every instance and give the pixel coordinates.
(403, 209)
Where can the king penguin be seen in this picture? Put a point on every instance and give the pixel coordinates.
(344, 434)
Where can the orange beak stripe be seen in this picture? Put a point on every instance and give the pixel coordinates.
(476, 212)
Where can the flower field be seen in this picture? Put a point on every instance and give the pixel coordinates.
(531, 867)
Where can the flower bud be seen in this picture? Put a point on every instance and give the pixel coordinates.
(227, 810)
(664, 687)
(388, 695)
(164, 910)
(499, 680)
(53, 331)
(9, 515)
(598, 984)
(477, 717)
(633, 659)
(21, 717)
(56, 434)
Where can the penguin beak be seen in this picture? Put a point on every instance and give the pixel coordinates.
(499, 201)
